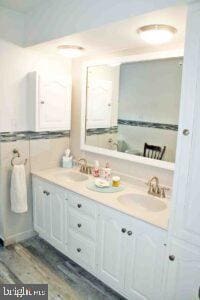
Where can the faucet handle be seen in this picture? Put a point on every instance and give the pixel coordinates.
(163, 192)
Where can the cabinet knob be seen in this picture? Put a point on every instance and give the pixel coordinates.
(46, 193)
(123, 230)
(172, 257)
(129, 232)
(78, 249)
(186, 132)
(41, 102)
(79, 225)
(79, 205)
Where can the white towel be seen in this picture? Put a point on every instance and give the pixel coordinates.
(18, 190)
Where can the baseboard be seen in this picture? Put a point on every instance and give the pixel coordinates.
(13, 239)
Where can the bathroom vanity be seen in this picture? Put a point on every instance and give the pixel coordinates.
(122, 245)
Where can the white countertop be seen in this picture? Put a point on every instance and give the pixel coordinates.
(157, 218)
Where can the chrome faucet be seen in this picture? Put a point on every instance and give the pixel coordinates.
(155, 189)
(84, 168)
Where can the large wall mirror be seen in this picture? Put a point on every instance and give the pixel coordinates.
(131, 109)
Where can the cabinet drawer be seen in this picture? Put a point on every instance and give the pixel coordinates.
(82, 224)
(82, 205)
(83, 251)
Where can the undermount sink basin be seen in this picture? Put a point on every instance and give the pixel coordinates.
(145, 202)
(71, 175)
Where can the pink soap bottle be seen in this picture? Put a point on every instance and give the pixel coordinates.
(96, 169)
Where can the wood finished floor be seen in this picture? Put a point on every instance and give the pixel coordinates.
(35, 261)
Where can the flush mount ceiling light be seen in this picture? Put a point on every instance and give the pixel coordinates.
(157, 34)
(70, 51)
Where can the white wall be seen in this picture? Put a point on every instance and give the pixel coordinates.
(55, 19)
(15, 64)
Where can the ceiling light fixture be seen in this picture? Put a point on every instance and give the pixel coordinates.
(157, 34)
(70, 51)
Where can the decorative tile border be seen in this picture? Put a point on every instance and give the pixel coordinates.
(93, 131)
(148, 124)
(31, 135)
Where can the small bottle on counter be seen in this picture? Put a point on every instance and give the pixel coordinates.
(106, 172)
(96, 169)
(116, 181)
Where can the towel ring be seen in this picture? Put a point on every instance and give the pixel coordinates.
(16, 154)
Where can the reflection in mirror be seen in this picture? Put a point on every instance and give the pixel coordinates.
(134, 107)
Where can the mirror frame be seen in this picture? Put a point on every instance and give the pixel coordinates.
(113, 153)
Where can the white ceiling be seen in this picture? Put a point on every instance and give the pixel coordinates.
(123, 35)
(22, 6)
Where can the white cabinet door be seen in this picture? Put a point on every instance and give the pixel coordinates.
(145, 262)
(185, 221)
(99, 104)
(41, 208)
(183, 278)
(54, 104)
(112, 247)
(57, 217)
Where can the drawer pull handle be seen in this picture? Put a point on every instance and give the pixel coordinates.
(172, 257)
(79, 225)
(123, 230)
(78, 249)
(129, 232)
(79, 205)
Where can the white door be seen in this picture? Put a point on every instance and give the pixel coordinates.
(99, 104)
(113, 250)
(54, 105)
(185, 221)
(183, 281)
(41, 207)
(145, 262)
(57, 215)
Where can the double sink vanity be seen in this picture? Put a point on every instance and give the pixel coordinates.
(118, 237)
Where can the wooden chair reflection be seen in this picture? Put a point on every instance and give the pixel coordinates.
(155, 152)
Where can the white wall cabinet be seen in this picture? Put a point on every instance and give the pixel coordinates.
(125, 253)
(183, 270)
(49, 103)
(185, 222)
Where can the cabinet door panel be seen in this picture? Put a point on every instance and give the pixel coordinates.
(54, 105)
(99, 98)
(112, 247)
(41, 210)
(186, 205)
(145, 263)
(183, 278)
(57, 216)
